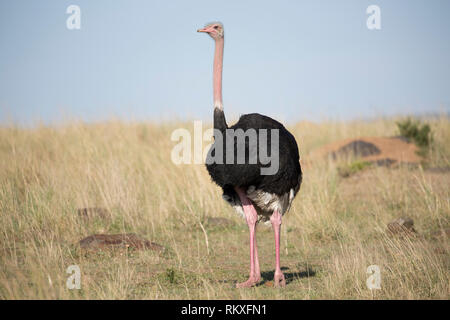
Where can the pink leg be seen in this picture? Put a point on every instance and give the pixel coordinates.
(257, 269)
(275, 219)
(251, 216)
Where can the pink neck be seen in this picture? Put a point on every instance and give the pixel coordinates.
(217, 73)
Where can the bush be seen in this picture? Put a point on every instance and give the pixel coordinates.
(419, 133)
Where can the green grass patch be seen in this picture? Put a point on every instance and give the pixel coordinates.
(352, 168)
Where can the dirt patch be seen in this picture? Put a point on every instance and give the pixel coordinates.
(382, 151)
(128, 240)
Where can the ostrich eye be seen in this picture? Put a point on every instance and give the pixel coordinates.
(216, 27)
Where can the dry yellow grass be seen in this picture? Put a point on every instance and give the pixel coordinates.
(334, 231)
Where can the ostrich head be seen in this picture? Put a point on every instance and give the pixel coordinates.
(214, 29)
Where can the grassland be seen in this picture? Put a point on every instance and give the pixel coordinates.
(334, 231)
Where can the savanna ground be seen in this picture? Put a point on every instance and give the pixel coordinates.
(335, 229)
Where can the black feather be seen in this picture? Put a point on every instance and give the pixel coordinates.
(230, 176)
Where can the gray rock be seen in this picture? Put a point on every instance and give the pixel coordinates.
(441, 233)
(387, 162)
(357, 148)
(401, 226)
(127, 240)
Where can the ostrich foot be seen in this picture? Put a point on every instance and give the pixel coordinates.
(279, 280)
(249, 283)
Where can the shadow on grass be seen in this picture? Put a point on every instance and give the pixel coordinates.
(267, 276)
(289, 276)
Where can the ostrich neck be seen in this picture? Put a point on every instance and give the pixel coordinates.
(217, 74)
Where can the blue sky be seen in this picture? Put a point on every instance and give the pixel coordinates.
(292, 60)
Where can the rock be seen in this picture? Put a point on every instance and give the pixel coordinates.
(357, 148)
(386, 162)
(218, 222)
(382, 151)
(441, 233)
(128, 240)
(90, 213)
(401, 226)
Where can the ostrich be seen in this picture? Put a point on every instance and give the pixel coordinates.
(255, 196)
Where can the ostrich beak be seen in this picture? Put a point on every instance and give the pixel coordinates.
(202, 30)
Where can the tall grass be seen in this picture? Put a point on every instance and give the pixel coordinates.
(334, 231)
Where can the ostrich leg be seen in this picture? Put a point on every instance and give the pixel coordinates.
(278, 280)
(251, 216)
(257, 269)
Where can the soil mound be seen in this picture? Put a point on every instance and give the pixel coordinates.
(128, 240)
(383, 151)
